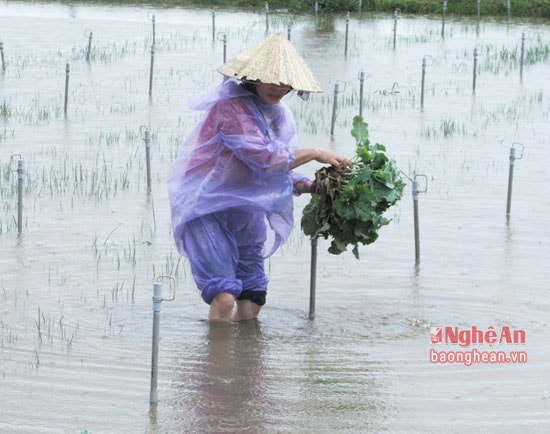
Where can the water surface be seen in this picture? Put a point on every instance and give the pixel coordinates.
(76, 285)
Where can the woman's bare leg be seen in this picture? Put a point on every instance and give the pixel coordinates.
(246, 310)
(221, 307)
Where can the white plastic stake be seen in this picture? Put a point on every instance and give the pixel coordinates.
(513, 159)
(20, 174)
(313, 278)
(157, 300)
(67, 73)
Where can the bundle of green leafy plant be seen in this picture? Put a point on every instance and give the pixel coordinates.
(348, 205)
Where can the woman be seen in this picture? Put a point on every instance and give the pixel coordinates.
(232, 184)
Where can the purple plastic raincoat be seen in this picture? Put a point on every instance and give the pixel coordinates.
(237, 157)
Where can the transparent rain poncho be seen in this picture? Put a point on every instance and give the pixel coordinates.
(237, 157)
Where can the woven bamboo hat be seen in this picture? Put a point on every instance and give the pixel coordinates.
(273, 61)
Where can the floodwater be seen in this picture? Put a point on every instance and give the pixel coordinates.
(76, 285)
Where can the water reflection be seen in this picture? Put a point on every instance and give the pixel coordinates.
(249, 378)
(223, 389)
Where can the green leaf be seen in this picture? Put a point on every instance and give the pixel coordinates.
(348, 206)
(360, 131)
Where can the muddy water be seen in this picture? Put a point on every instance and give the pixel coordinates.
(76, 286)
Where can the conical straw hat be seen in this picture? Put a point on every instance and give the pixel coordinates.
(273, 61)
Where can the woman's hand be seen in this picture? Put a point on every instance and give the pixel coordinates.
(303, 156)
(322, 156)
(303, 187)
(336, 160)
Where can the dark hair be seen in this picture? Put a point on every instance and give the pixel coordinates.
(249, 85)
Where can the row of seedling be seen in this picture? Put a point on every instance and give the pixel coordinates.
(539, 53)
(95, 180)
(430, 34)
(173, 263)
(49, 328)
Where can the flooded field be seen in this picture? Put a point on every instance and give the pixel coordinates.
(76, 283)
